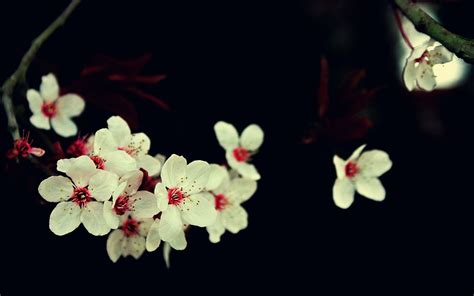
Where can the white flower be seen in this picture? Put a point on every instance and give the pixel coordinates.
(227, 197)
(181, 200)
(50, 109)
(239, 150)
(80, 198)
(126, 200)
(360, 172)
(419, 66)
(129, 239)
(153, 239)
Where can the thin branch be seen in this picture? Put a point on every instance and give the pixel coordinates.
(459, 45)
(20, 73)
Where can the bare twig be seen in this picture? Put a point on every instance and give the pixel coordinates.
(459, 45)
(20, 73)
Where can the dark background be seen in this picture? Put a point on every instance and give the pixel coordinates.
(255, 62)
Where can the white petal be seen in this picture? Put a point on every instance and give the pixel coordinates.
(144, 204)
(234, 218)
(425, 77)
(64, 164)
(340, 164)
(217, 175)
(153, 239)
(252, 137)
(102, 184)
(119, 162)
(56, 188)
(197, 210)
(374, 163)
(104, 142)
(120, 130)
(65, 218)
(110, 217)
(81, 170)
(170, 224)
(371, 188)
(145, 225)
(355, 155)
(149, 164)
(240, 190)
(139, 145)
(40, 121)
(343, 193)
(49, 87)
(63, 126)
(227, 135)
(247, 170)
(35, 101)
(440, 55)
(197, 175)
(114, 245)
(216, 230)
(179, 242)
(166, 254)
(93, 219)
(133, 181)
(162, 196)
(409, 75)
(135, 246)
(118, 191)
(173, 171)
(70, 105)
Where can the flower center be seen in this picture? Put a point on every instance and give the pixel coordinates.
(175, 196)
(130, 150)
(23, 147)
(121, 205)
(423, 57)
(130, 227)
(77, 148)
(81, 196)
(49, 109)
(220, 201)
(351, 169)
(98, 161)
(241, 154)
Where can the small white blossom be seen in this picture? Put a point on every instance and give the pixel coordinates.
(51, 109)
(419, 65)
(126, 200)
(181, 200)
(227, 197)
(360, 172)
(129, 238)
(240, 149)
(80, 198)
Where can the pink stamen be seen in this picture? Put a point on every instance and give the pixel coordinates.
(241, 154)
(130, 227)
(175, 196)
(221, 201)
(98, 161)
(81, 196)
(49, 109)
(121, 205)
(351, 169)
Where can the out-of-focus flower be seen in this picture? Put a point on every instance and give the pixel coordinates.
(22, 148)
(80, 197)
(181, 199)
(129, 238)
(227, 198)
(360, 172)
(126, 200)
(419, 65)
(81, 146)
(240, 149)
(51, 109)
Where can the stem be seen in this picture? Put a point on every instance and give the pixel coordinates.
(20, 73)
(398, 19)
(459, 45)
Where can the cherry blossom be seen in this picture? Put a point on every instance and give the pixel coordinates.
(80, 197)
(240, 149)
(22, 148)
(51, 109)
(360, 173)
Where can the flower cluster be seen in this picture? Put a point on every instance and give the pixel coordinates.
(107, 189)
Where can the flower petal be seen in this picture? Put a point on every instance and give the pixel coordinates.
(343, 193)
(162, 196)
(216, 230)
(35, 101)
(139, 145)
(340, 164)
(227, 135)
(153, 238)
(355, 155)
(102, 185)
(81, 170)
(409, 75)
(247, 170)
(374, 163)
(64, 164)
(425, 77)
(173, 171)
(197, 175)
(120, 130)
(240, 190)
(371, 188)
(63, 126)
(104, 142)
(149, 164)
(234, 218)
(440, 55)
(56, 188)
(65, 218)
(114, 245)
(93, 219)
(70, 105)
(119, 162)
(133, 181)
(144, 205)
(49, 87)
(179, 242)
(252, 137)
(110, 217)
(135, 246)
(40, 121)
(198, 210)
(171, 224)
(217, 175)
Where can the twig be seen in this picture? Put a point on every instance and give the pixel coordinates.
(20, 73)
(459, 45)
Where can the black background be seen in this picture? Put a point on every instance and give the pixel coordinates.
(256, 62)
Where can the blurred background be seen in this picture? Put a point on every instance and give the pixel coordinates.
(261, 62)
